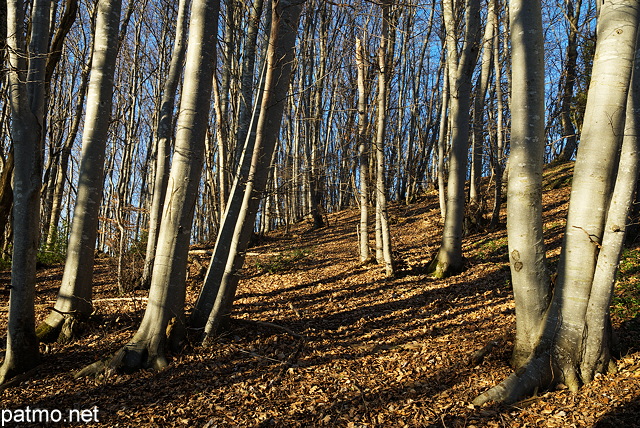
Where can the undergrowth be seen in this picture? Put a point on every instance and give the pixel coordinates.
(626, 299)
(282, 262)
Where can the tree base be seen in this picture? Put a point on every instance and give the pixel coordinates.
(132, 357)
(20, 359)
(441, 270)
(540, 372)
(66, 331)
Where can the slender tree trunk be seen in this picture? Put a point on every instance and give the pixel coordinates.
(499, 147)
(449, 258)
(477, 149)
(163, 140)
(27, 119)
(385, 57)
(363, 153)
(216, 297)
(74, 297)
(442, 145)
(569, 79)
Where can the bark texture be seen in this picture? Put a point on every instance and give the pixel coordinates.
(74, 297)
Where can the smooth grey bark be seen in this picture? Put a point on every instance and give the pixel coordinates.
(482, 86)
(385, 58)
(363, 154)
(498, 150)
(597, 353)
(26, 98)
(568, 350)
(246, 81)
(449, 258)
(529, 275)
(216, 297)
(164, 133)
(443, 129)
(168, 284)
(74, 296)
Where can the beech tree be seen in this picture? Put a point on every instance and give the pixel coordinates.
(168, 287)
(569, 333)
(216, 297)
(163, 139)
(74, 297)
(26, 98)
(460, 66)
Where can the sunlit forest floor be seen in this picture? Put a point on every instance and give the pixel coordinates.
(366, 351)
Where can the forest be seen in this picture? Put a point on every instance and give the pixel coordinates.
(310, 212)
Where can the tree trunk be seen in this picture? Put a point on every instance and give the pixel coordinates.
(449, 258)
(477, 143)
(216, 297)
(164, 133)
(27, 118)
(74, 297)
(363, 154)
(569, 78)
(574, 342)
(385, 59)
(529, 274)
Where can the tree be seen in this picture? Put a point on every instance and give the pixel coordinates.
(568, 81)
(385, 58)
(167, 293)
(216, 297)
(74, 297)
(574, 339)
(460, 71)
(363, 153)
(476, 204)
(163, 139)
(26, 98)
(529, 274)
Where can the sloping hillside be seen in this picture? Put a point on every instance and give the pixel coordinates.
(320, 340)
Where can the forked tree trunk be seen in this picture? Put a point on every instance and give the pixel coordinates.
(449, 258)
(574, 342)
(163, 140)
(74, 297)
(218, 291)
(27, 116)
(167, 293)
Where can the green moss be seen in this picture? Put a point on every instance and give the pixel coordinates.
(47, 333)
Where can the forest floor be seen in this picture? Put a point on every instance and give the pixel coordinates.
(366, 350)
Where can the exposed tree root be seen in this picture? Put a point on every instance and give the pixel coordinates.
(536, 374)
(136, 355)
(478, 356)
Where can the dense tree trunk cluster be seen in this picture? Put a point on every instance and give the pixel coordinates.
(138, 133)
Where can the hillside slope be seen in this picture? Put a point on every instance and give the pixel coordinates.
(319, 340)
